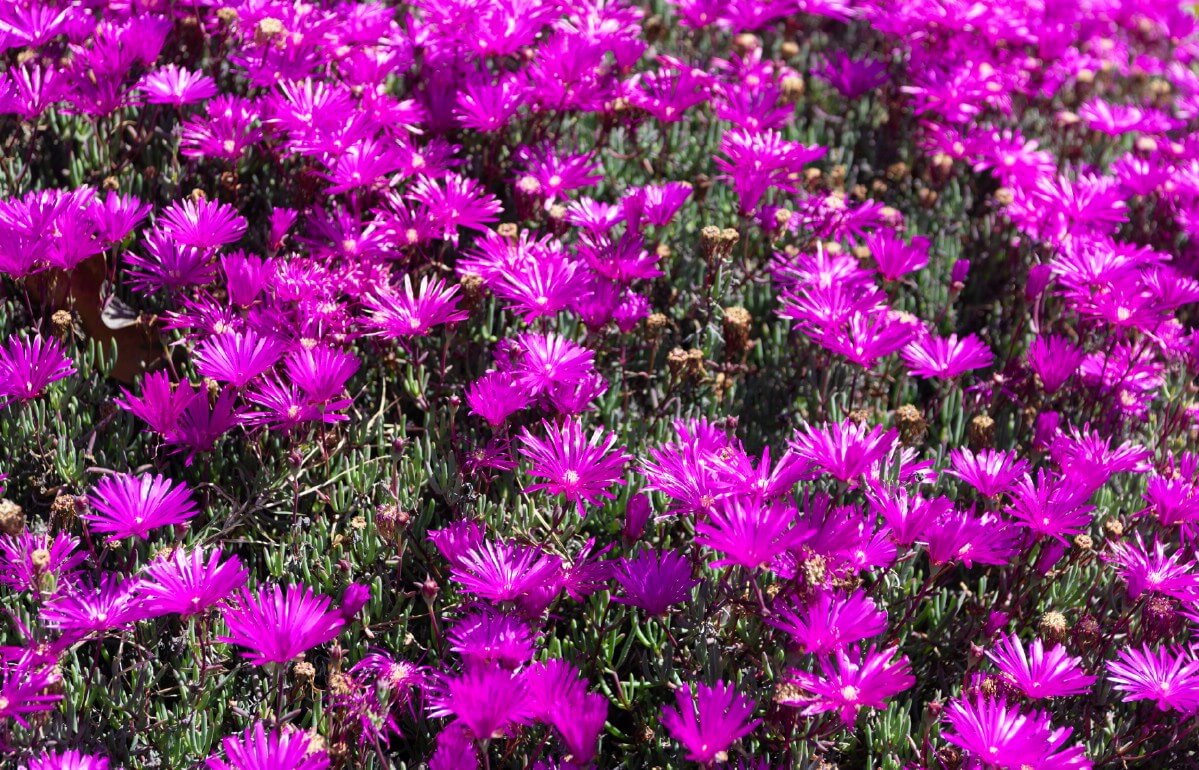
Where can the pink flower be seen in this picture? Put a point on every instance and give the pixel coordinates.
(575, 465)
(709, 720)
(130, 506)
(408, 313)
(946, 358)
(277, 626)
(1040, 673)
(173, 85)
(850, 681)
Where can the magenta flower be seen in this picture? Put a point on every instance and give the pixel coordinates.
(236, 357)
(407, 313)
(18, 570)
(851, 680)
(544, 362)
(829, 621)
(655, 581)
(488, 636)
(258, 749)
(961, 536)
(66, 760)
(276, 627)
(991, 471)
(1143, 570)
(161, 404)
(495, 396)
(28, 367)
(846, 450)
(1168, 677)
(709, 720)
(750, 532)
(189, 583)
(575, 465)
(559, 697)
(80, 611)
(202, 223)
(1049, 507)
(1040, 673)
(456, 203)
(1054, 359)
(130, 506)
(500, 572)
(894, 256)
(999, 735)
(173, 85)
(23, 689)
(486, 700)
(322, 373)
(945, 358)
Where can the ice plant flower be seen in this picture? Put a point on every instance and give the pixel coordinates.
(28, 367)
(237, 357)
(189, 583)
(999, 735)
(173, 85)
(655, 581)
(851, 680)
(750, 532)
(579, 467)
(81, 611)
(846, 450)
(276, 626)
(1143, 570)
(946, 358)
(409, 313)
(1054, 359)
(123, 505)
(708, 720)
(829, 621)
(260, 749)
(202, 223)
(25, 689)
(66, 760)
(1170, 678)
(502, 572)
(485, 699)
(990, 472)
(1038, 672)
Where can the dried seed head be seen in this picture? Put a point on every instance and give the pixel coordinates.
(897, 172)
(12, 518)
(62, 323)
(793, 89)
(40, 559)
(227, 15)
(1083, 542)
(746, 42)
(304, 671)
(859, 416)
(789, 49)
(737, 321)
(472, 291)
(656, 323)
(1086, 631)
(1004, 196)
(1114, 528)
(1053, 626)
(911, 425)
(981, 432)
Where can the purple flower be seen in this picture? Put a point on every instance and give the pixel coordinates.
(1144, 571)
(750, 532)
(852, 77)
(495, 396)
(655, 580)
(850, 681)
(991, 472)
(130, 506)
(172, 85)
(501, 572)
(709, 720)
(406, 313)
(999, 735)
(23, 689)
(847, 450)
(1054, 359)
(80, 611)
(202, 223)
(20, 570)
(486, 700)
(27, 367)
(276, 627)
(66, 760)
(1040, 673)
(576, 466)
(946, 358)
(1168, 677)
(258, 749)
(894, 256)
(189, 583)
(236, 357)
(489, 636)
(829, 621)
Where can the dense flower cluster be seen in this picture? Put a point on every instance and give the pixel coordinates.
(481, 383)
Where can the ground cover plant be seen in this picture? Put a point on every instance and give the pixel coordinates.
(574, 384)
